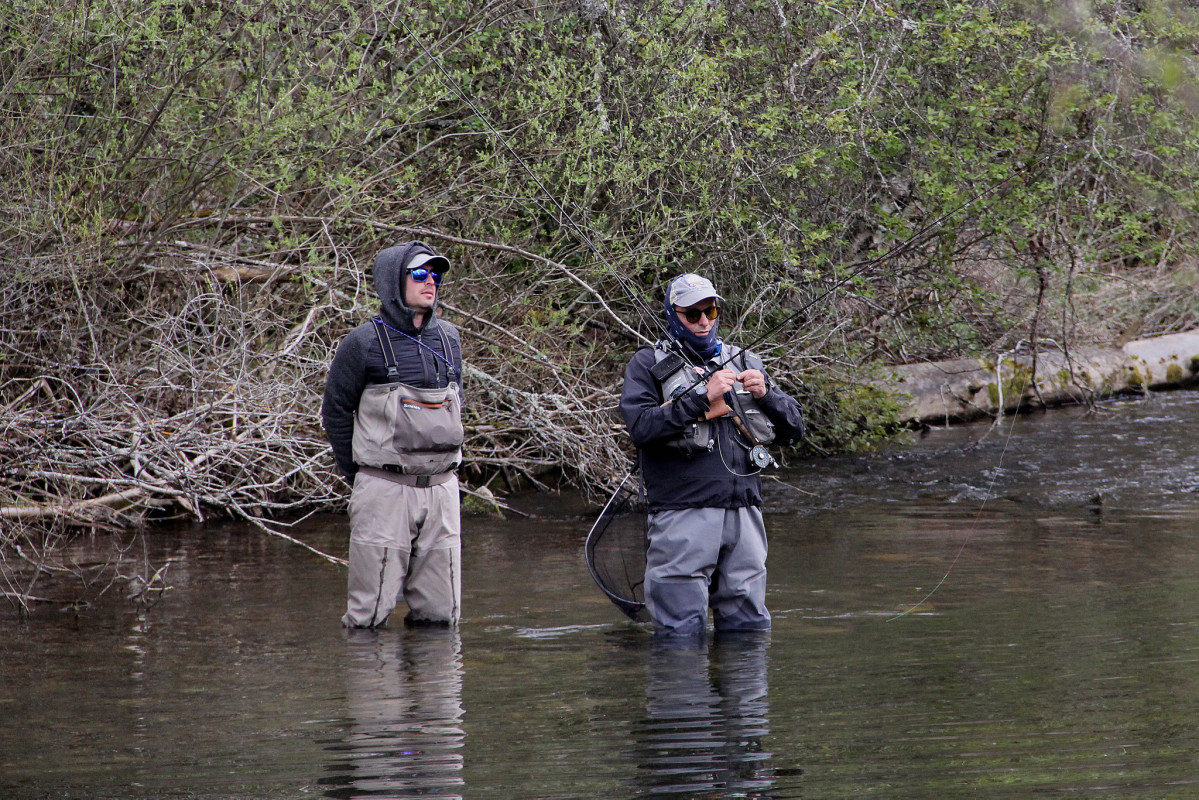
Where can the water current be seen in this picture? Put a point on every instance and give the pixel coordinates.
(990, 610)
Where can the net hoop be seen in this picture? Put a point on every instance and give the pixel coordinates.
(621, 589)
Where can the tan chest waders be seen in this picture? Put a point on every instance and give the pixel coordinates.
(404, 428)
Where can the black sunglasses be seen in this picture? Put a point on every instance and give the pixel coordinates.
(420, 275)
(692, 315)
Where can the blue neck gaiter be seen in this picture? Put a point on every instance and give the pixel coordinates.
(703, 346)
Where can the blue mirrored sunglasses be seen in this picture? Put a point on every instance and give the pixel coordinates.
(420, 275)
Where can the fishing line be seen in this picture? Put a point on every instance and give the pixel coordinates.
(859, 267)
(448, 80)
(659, 322)
(731, 471)
(973, 523)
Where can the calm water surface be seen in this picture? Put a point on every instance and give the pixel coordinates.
(1058, 653)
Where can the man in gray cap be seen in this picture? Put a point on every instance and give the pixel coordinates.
(701, 412)
(393, 414)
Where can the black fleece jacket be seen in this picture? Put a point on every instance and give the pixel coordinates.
(721, 478)
(422, 356)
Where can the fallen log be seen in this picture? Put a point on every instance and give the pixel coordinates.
(965, 389)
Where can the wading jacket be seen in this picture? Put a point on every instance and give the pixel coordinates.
(722, 477)
(423, 359)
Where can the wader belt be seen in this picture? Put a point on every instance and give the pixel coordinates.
(395, 476)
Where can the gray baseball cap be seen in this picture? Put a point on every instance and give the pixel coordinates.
(689, 289)
(438, 264)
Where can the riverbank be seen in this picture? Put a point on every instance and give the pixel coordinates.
(961, 390)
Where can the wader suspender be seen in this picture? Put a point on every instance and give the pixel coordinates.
(393, 374)
(389, 354)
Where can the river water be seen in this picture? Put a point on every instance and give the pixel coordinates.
(1004, 611)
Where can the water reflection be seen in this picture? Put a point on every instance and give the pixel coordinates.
(405, 704)
(706, 715)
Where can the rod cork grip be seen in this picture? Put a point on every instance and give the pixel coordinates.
(717, 409)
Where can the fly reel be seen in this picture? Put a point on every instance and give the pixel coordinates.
(761, 457)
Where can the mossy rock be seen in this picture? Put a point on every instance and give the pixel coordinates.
(474, 506)
(1015, 383)
(1136, 379)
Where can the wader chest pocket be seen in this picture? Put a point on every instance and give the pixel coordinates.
(395, 419)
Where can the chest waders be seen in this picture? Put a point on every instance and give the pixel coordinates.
(675, 376)
(405, 539)
(406, 429)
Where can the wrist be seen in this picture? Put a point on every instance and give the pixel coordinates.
(693, 402)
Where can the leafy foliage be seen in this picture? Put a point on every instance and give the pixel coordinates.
(193, 192)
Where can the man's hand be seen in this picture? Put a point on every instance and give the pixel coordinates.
(720, 383)
(754, 382)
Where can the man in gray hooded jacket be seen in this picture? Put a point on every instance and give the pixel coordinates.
(393, 413)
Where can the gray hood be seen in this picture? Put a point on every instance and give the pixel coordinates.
(391, 278)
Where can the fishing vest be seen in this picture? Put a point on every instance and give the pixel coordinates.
(407, 429)
(676, 375)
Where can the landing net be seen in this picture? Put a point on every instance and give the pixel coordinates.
(615, 548)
